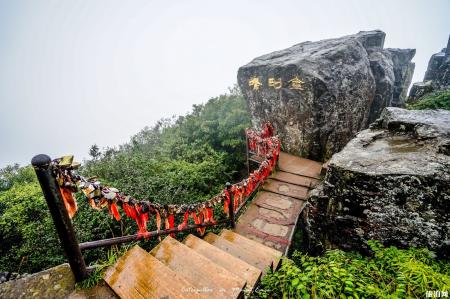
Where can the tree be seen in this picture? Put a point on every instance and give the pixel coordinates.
(94, 152)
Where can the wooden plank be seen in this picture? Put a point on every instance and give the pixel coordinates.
(137, 274)
(250, 245)
(298, 165)
(202, 272)
(236, 266)
(287, 189)
(251, 257)
(294, 179)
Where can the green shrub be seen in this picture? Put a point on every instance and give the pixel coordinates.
(390, 273)
(437, 100)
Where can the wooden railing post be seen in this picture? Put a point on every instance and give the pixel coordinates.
(231, 205)
(63, 224)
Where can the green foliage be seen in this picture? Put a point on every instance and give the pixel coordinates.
(186, 160)
(390, 273)
(100, 267)
(12, 174)
(437, 100)
(182, 160)
(24, 227)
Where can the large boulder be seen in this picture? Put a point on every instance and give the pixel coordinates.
(437, 76)
(390, 183)
(320, 94)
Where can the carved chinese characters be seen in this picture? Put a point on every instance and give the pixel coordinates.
(276, 83)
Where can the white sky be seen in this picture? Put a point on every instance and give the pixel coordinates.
(75, 73)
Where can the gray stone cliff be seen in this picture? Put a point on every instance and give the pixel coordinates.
(320, 94)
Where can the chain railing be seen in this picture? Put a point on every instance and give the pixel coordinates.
(59, 179)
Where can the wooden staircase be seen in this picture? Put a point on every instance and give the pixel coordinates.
(218, 266)
(273, 214)
(231, 263)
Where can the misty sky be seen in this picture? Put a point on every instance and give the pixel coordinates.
(75, 73)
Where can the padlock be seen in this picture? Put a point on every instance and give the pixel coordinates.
(66, 161)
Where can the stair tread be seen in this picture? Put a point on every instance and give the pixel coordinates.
(138, 274)
(298, 165)
(295, 179)
(248, 243)
(287, 189)
(233, 264)
(251, 257)
(251, 245)
(197, 269)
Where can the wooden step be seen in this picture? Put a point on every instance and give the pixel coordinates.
(236, 266)
(251, 245)
(287, 189)
(138, 274)
(250, 257)
(298, 165)
(294, 179)
(203, 273)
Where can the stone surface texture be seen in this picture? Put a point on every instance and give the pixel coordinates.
(56, 282)
(390, 183)
(345, 84)
(437, 76)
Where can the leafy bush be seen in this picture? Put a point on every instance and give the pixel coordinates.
(437, 100)
(182, 160)
(25, 225)
(390, 273)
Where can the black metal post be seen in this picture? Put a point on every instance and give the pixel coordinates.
(231, 206)
(63, 224)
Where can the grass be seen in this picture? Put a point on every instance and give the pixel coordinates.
(100, 267)
(436, 100)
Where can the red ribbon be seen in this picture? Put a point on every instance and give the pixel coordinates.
(114, 211)
(69, 201)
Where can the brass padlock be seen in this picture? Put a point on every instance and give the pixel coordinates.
(66, 161)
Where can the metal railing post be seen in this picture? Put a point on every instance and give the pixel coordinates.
(231, 206)
(63, 224)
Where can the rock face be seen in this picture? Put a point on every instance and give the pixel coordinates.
(56, 282)
(403, 73)
(320, 94)
(437, 76)
(390, 183)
